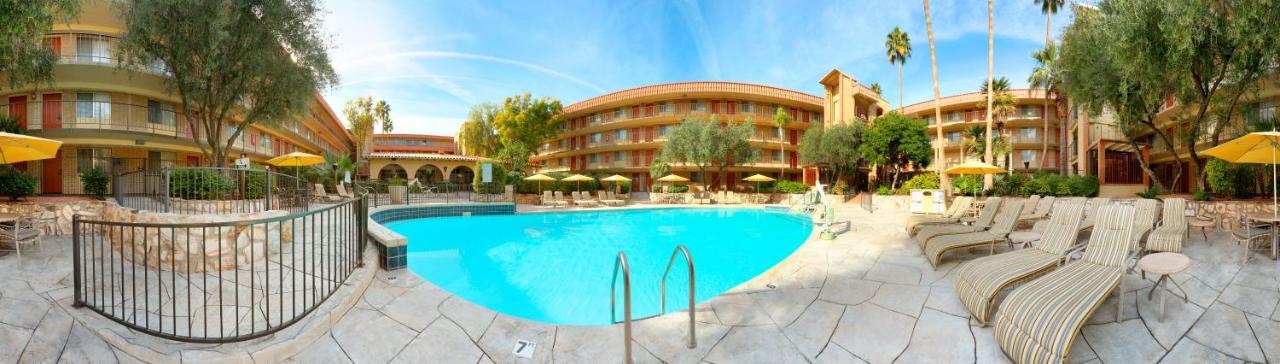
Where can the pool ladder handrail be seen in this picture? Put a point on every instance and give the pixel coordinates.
(680, 249)
(621, 262)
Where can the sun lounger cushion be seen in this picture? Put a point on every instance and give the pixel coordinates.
(957, 210)
(935, 247)
(985, 217)
(1173, 228)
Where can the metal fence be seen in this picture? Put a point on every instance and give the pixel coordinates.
(382, 194)
(218, 281)
(210, 190)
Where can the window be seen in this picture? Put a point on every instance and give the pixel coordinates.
(619, 156)
(618, 113)
(1029, 110)
(93, 105)
(92, 49)
(88, 158)
(1029, 133)
(594, 158)
(698, 105)
(1028, 155)
(665, 107)
(953, 137)
(622, 134)
(595, 138)
(560, 162)
(955, 116)
(929, 120)
(662, 130)
(775, 155)
(744, 106)
(817, 117)
(777, 132)
(1265, 111)
(159, 113)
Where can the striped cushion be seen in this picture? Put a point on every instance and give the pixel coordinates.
(1041, 209)
(985, 218)
(1172, 231)
(1094, 205)
(958, 209)
(935, 247)
(977, 282)
(1039, 321)
(1144, 219)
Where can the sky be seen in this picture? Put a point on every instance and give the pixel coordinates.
(433, 60)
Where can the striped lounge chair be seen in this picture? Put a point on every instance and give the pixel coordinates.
(958, 209)
(1173, 228)
(985, 217)
(1095, 204)
(1039, 321)
(1145, 213)
(978, 282)
(1039, 211)
(998, 232)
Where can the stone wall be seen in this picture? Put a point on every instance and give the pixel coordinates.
(63, 211)
(197, 249)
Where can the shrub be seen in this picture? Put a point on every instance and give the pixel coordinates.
(95, 182)
(1227, 179)
(923, 181)
(676, 188)
(199, 184)
(1083, 186)
(1201, 195)
(498, 185)
(967, 185)
(1009, 185)
(884, 190)
(1149, 193)
(395, 181)
(791, 187)
(840, 188)
(16, 185)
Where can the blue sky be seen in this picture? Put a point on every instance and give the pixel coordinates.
(433, 60)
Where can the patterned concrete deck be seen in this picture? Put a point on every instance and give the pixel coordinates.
(868, 296)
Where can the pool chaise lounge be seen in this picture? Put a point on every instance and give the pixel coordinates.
(1040, 320)
(1144, 219)
(1172, 232)
(583, 199)
(1004, 221)
(957, 210)
(978, 281)
(985, 217)
(1039, 211)
(1095, 204)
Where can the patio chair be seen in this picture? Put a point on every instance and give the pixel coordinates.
(320, 195)
(1251, 234)
(978, 282)
(1039, 321)
(23, 231)
(1041, 209)
(984, 220)
(999, 231)
(1172, 232)
(47, 221)
(957, 210)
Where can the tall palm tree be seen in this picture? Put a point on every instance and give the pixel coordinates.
(1049, 8)
(991, 58)
(1046, 76)
(898, 49)
(940, 161)
(781, 118)
(875, 87)
(1002, 103)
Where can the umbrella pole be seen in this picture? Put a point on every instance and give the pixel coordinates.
(1274, 204)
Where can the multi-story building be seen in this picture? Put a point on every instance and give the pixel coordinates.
(622, 132)
(414, 143)
(426, 158)
(126, 119)
(1023, 128)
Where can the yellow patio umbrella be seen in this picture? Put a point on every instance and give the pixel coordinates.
(672, 178)
(974, 167)
(615, 179)
(296, 159)
(579, 179)
(16, 148)
(757, 179)
(1260, 148)
(540, 178)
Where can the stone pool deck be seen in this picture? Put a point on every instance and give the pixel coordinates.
(868, 296)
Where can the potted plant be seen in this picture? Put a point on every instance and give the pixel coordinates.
(398, 190)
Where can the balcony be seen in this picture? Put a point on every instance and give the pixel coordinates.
(93, 49)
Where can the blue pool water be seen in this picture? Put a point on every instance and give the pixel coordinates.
(555, 267)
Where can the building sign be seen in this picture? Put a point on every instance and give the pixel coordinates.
(486, 173)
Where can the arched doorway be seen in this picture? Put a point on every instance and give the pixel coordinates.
(428, 174)
(461, 175)
(392, 170)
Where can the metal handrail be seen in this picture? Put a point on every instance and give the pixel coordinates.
(621, 261)
(680, 249)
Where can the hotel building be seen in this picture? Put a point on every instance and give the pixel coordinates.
(1023, 128)
(427, 158)
(622, 132)
(124, 120)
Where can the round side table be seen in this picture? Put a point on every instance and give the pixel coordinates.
(1199, 224)
(1023, 237)
(1164, 264)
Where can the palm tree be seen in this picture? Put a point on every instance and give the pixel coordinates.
(1046, 76)
(1002, 104)
(991, 58)
(973, 141)
(937, 96)
(781, 118)
(898, 48)
(875, 87)
(1049, 8)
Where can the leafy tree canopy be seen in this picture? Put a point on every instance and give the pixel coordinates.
(835, 149)
(363, 116)
(477, 136)
(896, 141)
(522, 124)
(24, 57)
(706, 144)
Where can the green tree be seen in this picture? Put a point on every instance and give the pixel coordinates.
(233, 63)
(875, 87)
(363, 116)
(706, 144)
(24, 56)
(524, 123)
(477, 136)
(898, 49)
(1046, 76)
(781, 119)
(896, 141)
(834, 149)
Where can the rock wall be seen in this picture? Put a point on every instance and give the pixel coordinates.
(63, 211)
(197, 249)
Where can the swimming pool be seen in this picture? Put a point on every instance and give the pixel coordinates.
(555, 267)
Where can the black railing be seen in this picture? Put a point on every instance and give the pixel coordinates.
(380, 193)
(211, 190)
(215, 282)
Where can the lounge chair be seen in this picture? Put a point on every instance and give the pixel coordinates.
(320, 195)
(1095, 205)
(23, 231)
(1039, 321)
(978, 281)
(559, 199)
(1041, 210)
(342, 191)
(999, 231)
(583, 199)
(1144, 218)
(1173, 228)
(984, 220)
(548, 199)
(957, 210)
(607, 199)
